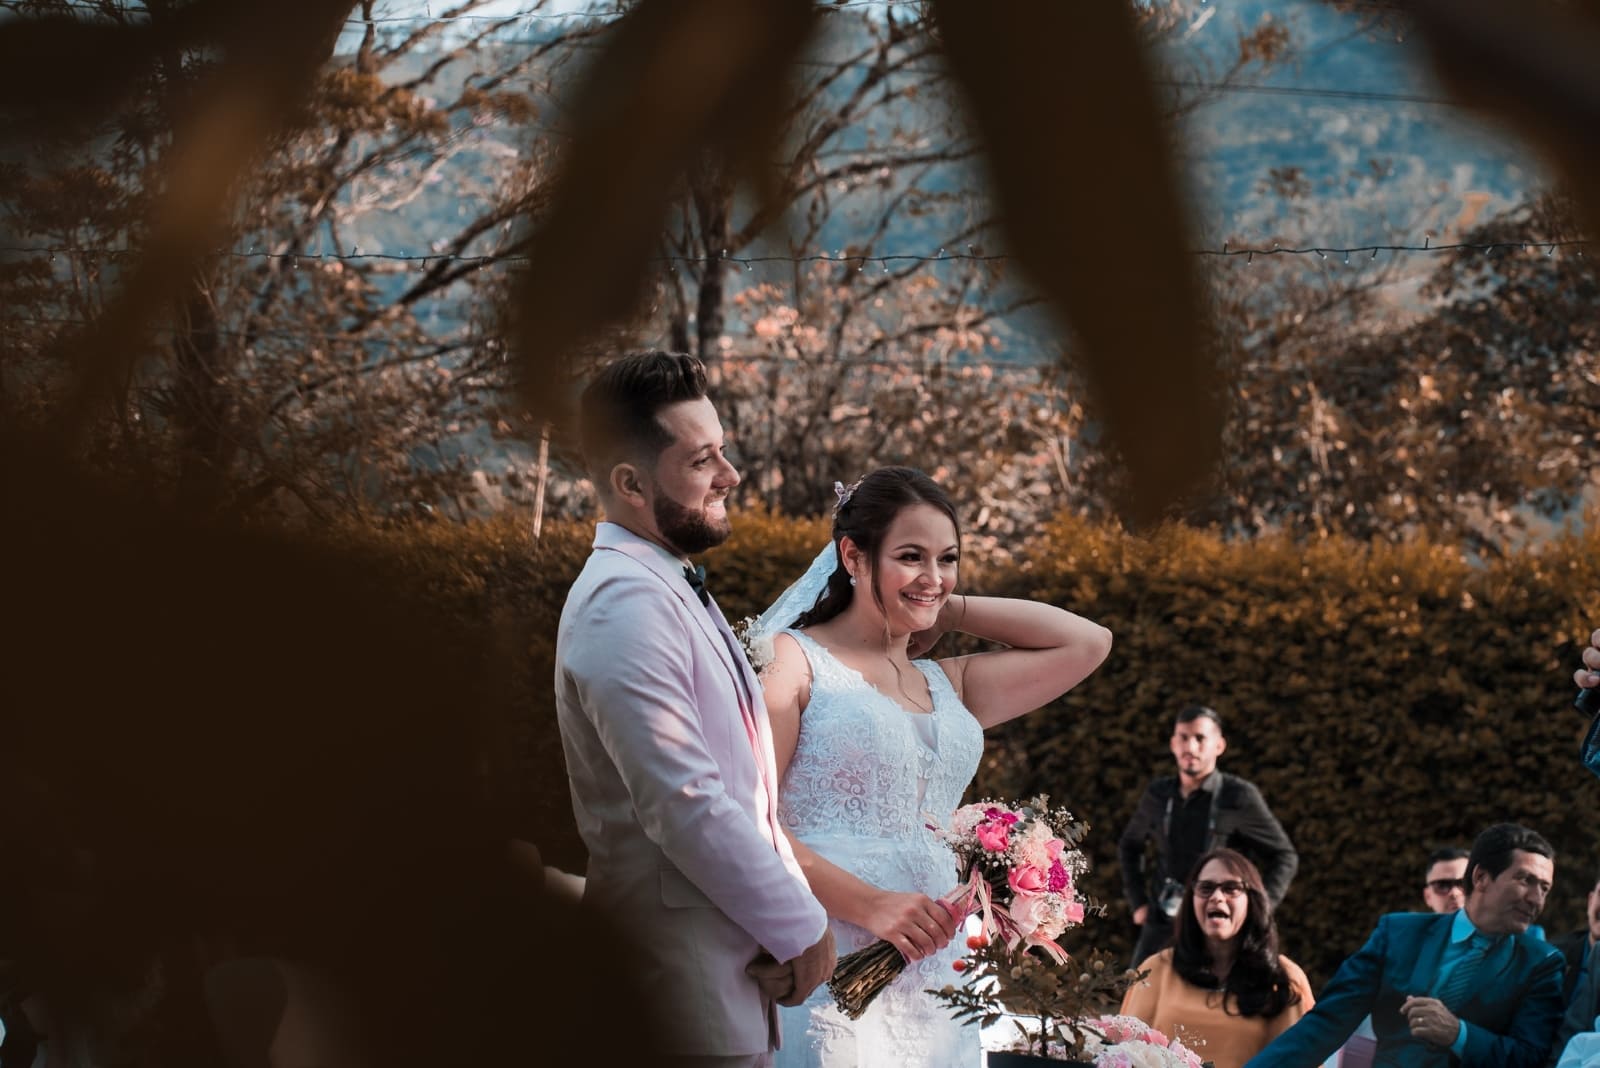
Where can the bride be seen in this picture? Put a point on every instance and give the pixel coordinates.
(873, 745)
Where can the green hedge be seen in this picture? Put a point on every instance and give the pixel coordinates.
(1385, 699)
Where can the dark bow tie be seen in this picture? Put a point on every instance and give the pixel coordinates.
(696, 578)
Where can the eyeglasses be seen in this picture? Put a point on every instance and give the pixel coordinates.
(1444, 886)
(1231, 888)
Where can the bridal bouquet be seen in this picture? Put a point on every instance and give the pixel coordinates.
(1022, 870)
(1019, 874)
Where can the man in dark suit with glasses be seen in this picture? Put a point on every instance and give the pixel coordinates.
(1444, 884)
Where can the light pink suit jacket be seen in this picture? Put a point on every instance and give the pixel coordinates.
(678, 817)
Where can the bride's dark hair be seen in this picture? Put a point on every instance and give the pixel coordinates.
(864, 517)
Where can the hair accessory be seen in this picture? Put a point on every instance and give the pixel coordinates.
(844, 493)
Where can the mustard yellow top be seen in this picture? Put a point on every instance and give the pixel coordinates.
(1179, 1009)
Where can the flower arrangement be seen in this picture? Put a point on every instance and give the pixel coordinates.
(1018, 872)
(1128, 1042)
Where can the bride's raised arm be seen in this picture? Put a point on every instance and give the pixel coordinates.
(1051, 651)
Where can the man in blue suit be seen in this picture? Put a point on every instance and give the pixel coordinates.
(1469, 988)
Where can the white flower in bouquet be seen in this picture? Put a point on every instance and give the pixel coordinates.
(963, 824)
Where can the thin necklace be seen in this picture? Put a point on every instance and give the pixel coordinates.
(900, 683)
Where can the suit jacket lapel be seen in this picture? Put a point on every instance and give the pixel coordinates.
(611, 536)
(1425, 973)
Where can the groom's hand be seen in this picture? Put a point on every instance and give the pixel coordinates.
(811, 969)
(775, 978)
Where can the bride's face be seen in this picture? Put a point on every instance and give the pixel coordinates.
(916, 568)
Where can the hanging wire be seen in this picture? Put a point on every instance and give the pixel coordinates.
(855, 259)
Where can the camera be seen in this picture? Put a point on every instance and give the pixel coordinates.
(1170, 897)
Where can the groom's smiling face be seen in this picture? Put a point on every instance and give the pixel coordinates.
(689, 485)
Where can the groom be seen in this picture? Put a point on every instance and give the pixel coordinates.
(666, 738)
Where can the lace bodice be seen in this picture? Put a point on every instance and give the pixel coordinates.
(860, 790)
(859, 765)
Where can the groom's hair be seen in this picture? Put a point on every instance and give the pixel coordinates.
(617, 411)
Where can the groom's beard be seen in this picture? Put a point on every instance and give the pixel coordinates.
(689, 531)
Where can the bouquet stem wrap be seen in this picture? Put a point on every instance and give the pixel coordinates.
(860, 977)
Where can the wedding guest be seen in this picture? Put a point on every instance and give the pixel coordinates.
(1191, 813)
(1469, 988)
(874, 742)
(667, 741)
(1443, 890)
(1222, 980)
(1578, 946)
(1577, 1043)
(1588, 674)
(1444, 881)
(1588, 677)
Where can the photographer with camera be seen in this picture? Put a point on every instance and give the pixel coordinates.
(1187, 815)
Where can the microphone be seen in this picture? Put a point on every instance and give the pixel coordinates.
(1588, 701)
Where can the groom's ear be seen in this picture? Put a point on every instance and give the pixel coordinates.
(627, 485)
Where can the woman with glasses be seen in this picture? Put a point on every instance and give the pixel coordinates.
(1221, 981)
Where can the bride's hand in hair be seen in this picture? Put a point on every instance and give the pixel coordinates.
(950, 616)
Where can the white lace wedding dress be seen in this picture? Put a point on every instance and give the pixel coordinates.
(867, 777)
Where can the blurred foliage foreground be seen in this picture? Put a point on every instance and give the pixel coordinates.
(221, 743)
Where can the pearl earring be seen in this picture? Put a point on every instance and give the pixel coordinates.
(852, 580)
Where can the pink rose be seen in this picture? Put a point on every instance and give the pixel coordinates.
(1074, 912)
(993, 837)
(1028, 913)
(1026, 879)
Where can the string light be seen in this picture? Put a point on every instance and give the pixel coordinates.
(840, 256)
(494, 344)
(516, 16)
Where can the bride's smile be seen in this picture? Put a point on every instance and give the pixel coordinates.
(915, 572)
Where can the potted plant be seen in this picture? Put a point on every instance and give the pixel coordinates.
(1062, 1011)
